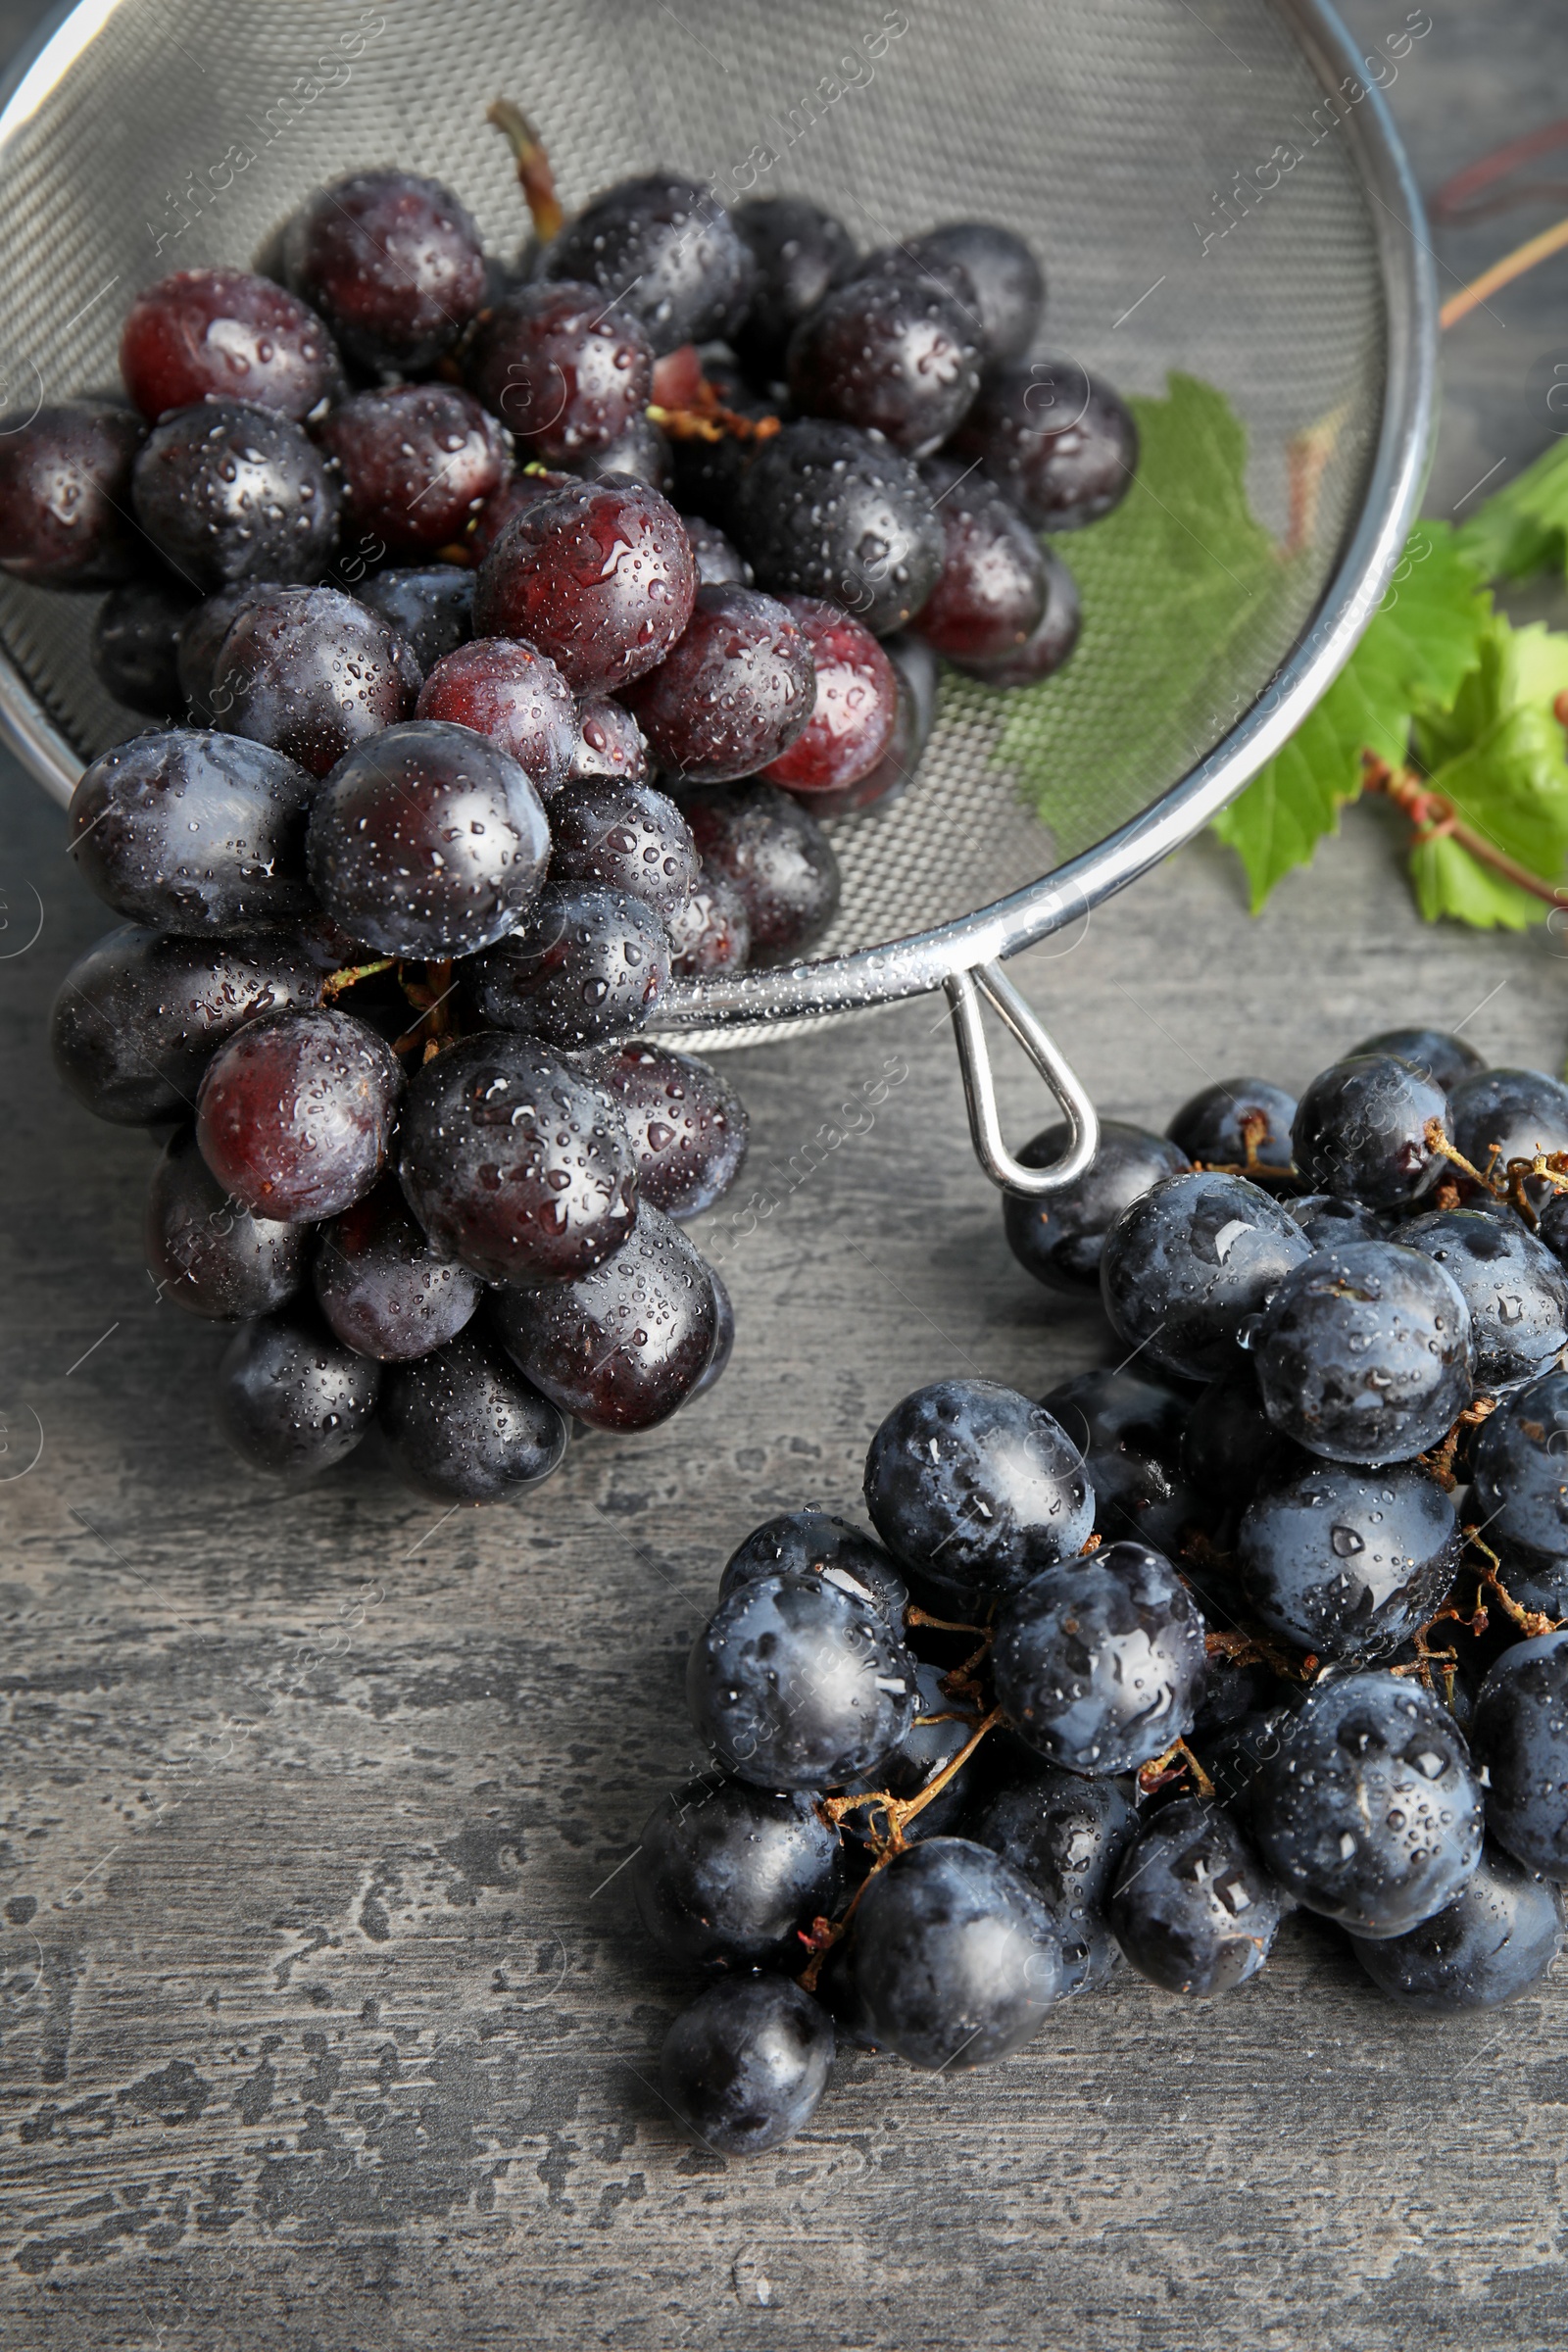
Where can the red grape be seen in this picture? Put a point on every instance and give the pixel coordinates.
(503, 689)
(418, 464)
(393, 263)
(383, 1287)
(610, 742)
(856, 704)
(65, 496)
(1048, 643)
(777, 856)
(294, 1113)
(599, 576)
(711, 932)
(992, 592)
(687, 1125)
(734, 692)
(563, 372)
(225, 334)
(207, 1254)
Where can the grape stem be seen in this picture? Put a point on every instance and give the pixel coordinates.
(1177, 1759)
(352, 974)
(1529, 1622)
(1502, 273)
(705, 418)
(1435, 817)
(535, 177)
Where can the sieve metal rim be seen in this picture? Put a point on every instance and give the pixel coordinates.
(758, 1003)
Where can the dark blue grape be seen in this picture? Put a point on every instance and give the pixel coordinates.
(894, 356)
(1128, 1427)
(1187, 1264)
(1369, 1813)
(1361, 1131)
(392, 262)
(587, 964)
(1364, 1353)
(1099, 1664)
(1058, 441)
(1066, 1835)
(1010, 288)
(797, 1683)
(382, 1286)
(723, 1348)
(801, 253)
(610, 743)
(1519, 1461)
(1445, 1059)
(825, 509)
(1349, 1561)
(65, 495)
(207, 1253)
(199, 641)
(429, 606)
(745, 2066)
(1516, 1291)
(228, 491)
(718, 563)
(956, 1959)
(291, 1396)
(1059, 1240)
(1048, 643)
(1519, 1735)
(135, 645)
(728, 1876)
(776, 859)
(193, 832)
(1236, 1123)
(625, 1343)
(813, 1544)
(1498, 1937)
(976, 1488)
(665, 250)
(465, 1427)
(688, 1126)
(314, 673)
(1192, 1907)
(627, 835)
(1499, 1115)
(1327, 1220)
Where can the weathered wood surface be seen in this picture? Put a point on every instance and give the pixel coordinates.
(326, 2023)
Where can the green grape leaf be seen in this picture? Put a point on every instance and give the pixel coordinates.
(1417, 648)
(1498, 756)
(1523, 527)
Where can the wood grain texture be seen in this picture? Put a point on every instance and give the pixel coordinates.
(326, 2023)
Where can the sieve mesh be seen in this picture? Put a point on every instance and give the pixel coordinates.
(1102, 129)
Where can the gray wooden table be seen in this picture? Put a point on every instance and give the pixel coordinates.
(327, 2021)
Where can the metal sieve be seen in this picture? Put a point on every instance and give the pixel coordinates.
(1140, 144)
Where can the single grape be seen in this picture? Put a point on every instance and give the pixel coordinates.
(624, 1345)
(1193, 1908)
(799, 1682)
(427, 839)
(207, 1253)
(134, 648)
(746, 2065)
(976, 1488)
(587, 964)
(825, 509)
(1009, 289)
(140, 1015)
(728, 1876)
(735, 690)
(1516, 1291)
(718, 563)
(1500, 1115)
(66, 495)
(1519, 1466)
(1050, 641)
(688, 1126)
(382, 1286)
(505, 690)
(1364, 1353)
(626, 836)
(814, 1543)
(776, 858)
(802, 253)
(1099, 1662)
(312, 673)
(197, 832)
(291, 1397)
(1128, 1428)
(1362, 1129)
(1230, 1447)
(1519, 1736)
(430, 608)
(523, 490)
(599, 576)
(465, 1427)
(1498, 1937)
(560, 371)
(991, 596)
(199, 641)
(1346, 1561)
(639, 452)
(894, 356)
(1241, 1123)
(1369, 1812)
(610, 743)
(851, 719)
(1060, 1239)
(955, 1960)
(225, 334)
(666, 253)
(393, 263)
(711, 932)
(228, 492)
(513, 1163)
(1056, 440)
(417, 463)
(915, 672)
(1066, 1837)
(294, 1113)
(1186, 1265)
(1327, 1220)
(1443, 1058)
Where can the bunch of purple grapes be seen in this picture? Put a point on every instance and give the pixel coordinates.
(391, 563)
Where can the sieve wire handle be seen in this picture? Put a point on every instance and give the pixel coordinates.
(964, 991)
